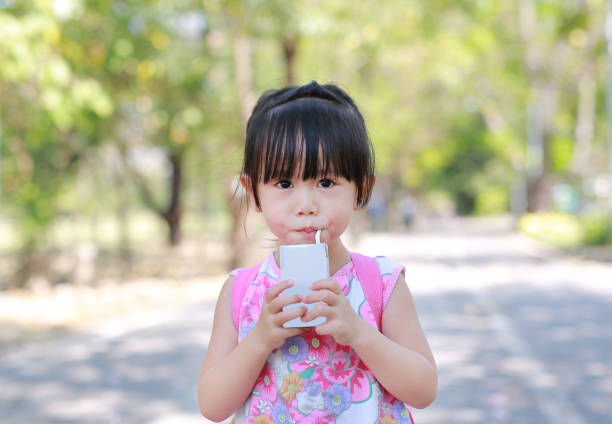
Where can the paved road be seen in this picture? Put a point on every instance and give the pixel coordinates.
(521, 335)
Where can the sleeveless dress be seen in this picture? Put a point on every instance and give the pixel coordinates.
(311, 378)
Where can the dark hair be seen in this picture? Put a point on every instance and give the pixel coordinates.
(317, 126)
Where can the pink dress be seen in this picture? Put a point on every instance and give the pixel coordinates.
(311, 378)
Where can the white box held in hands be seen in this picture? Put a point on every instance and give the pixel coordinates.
(304, 264)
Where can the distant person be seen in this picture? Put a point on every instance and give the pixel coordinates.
(377, 209)
(408, 209)
(308, 165)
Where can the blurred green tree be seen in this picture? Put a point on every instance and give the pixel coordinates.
(52, 114)
(152, 56)
(464, 98)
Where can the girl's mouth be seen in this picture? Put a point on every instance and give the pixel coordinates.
(308, 232)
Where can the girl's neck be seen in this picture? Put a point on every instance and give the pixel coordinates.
(337, 252)
(338, 256)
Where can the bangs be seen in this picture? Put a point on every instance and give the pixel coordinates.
(304, 139)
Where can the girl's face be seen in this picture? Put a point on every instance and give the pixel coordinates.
(295, 209)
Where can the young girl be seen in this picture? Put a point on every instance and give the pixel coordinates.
(308, 165)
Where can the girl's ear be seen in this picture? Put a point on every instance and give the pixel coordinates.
(248, 187)
(365, 189)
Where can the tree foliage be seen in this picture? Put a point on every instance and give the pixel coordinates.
(464, 98)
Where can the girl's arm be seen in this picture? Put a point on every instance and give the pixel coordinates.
(399, 357)
(230, 369)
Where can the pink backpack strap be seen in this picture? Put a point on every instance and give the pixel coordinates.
(371, 281)
(242, 279)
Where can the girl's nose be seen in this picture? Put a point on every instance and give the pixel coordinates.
(305, 203)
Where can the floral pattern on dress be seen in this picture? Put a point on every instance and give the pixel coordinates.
(311, 378)
(319, 347)
(265, 384)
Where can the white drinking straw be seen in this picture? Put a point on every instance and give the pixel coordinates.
(318, 236)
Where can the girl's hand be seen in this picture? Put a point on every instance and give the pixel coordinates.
(342, 323)
(269, 328)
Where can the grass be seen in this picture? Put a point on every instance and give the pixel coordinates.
(203, 250)
(144, 229)
(567, 231)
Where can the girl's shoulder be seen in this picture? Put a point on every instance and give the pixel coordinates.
(388, 267)
(390, 272)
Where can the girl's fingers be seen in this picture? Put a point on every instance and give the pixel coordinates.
(294, 331)
(327, 284)
(323, 329)
(280, 302)
(289, 314)
(323, 295)
(277, 289)
(320, 310)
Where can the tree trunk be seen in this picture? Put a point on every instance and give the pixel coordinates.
(246, 100)
(122, 215)
(173, 213)
(540, 182)
(236, 199)
(585, 122)
(543, 68)
(289, 49)
(31, 263)
(244, 75)
(538, 193)
(586, 113)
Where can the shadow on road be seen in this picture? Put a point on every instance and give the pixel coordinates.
(551, 352)
(146, 375)
(520, 336)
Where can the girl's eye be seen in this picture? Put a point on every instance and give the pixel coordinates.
(326, 183)
(284, 184)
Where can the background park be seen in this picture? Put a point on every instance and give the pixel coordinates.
(121, 134)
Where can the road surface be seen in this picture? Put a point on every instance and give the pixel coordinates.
(520, 334)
